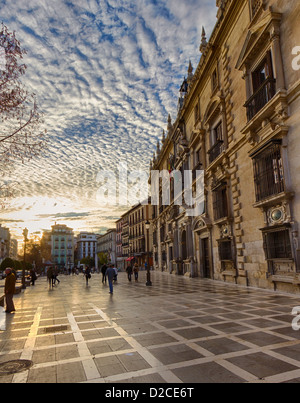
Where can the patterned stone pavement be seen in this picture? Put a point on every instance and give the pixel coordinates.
(179, 331)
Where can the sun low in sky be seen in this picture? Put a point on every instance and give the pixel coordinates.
(106, 74)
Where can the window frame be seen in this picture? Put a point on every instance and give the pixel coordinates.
(225, 250)
(220, 202)
(273, 250)
(268, 169)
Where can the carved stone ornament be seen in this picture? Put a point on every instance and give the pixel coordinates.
(225, 231)
(277, 215)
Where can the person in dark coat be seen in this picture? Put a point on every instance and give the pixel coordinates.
(50, 276)
(33, 276)
(136, 272)
(103, 271)
(129, 272)
(110, 274)
(9, 288)
(87, 275)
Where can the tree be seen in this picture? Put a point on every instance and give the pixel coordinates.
(102, 258)
(20, 135)
(33, 252)
(88, 261)
(7, 262)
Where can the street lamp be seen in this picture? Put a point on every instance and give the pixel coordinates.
(25, 234)
(149, 283)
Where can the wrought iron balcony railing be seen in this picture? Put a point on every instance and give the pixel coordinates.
(260, 98)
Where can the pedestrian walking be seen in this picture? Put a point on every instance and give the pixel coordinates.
(103, 271)
(55, 275)
(87, 275)
(110, 273)
(129, 272)
(116, 274)
(33, 276)
(9, 289)
(50, 276)
(136, 272)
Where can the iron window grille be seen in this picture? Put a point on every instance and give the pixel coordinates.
(220, 205)
(268, 172)
(278, 244)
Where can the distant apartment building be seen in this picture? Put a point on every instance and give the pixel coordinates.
(133, 242)
(107, 244)
(4, 243)
(119, 248)
(140, 242)
(86, 245)
(62, 245)
(13, 249)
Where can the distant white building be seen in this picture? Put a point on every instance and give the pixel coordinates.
(86, 245)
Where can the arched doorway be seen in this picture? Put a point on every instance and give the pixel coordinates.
(202, 236)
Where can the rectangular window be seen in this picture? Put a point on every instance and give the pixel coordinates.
(220, 205)
(197, 163)
(217, 142)
(278, 244)
(263, 85)
(197, 112)
(214, 80)
(225, 250)
(268, 172)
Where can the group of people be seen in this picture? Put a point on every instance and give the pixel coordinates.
(52, 274)
(135, 269)
(109, 273)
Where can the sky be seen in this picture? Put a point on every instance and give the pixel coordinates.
(106, 74)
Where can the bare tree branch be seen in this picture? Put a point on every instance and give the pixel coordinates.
(21, 137)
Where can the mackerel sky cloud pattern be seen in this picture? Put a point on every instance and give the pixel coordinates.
(106, 75)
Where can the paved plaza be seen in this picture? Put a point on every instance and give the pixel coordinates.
(179, 331)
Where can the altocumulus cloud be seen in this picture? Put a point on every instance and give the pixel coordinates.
(106, 74)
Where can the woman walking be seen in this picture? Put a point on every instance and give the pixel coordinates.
(87, 275)
(136, 272)
(9, 289)
(50, 276)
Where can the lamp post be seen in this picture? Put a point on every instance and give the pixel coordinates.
(25, 234)
(149, 283)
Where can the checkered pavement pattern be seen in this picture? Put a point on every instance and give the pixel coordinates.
(180, 330)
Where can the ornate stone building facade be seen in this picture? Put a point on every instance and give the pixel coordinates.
(238, 121)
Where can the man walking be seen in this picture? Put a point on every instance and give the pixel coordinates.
(129, 272)
(50, 276)
(9, 288)
(110, 274)
(87, 275)
(103, 271)
(136, 272)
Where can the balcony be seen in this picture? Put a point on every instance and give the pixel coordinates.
(260, 98)
(216, 150)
